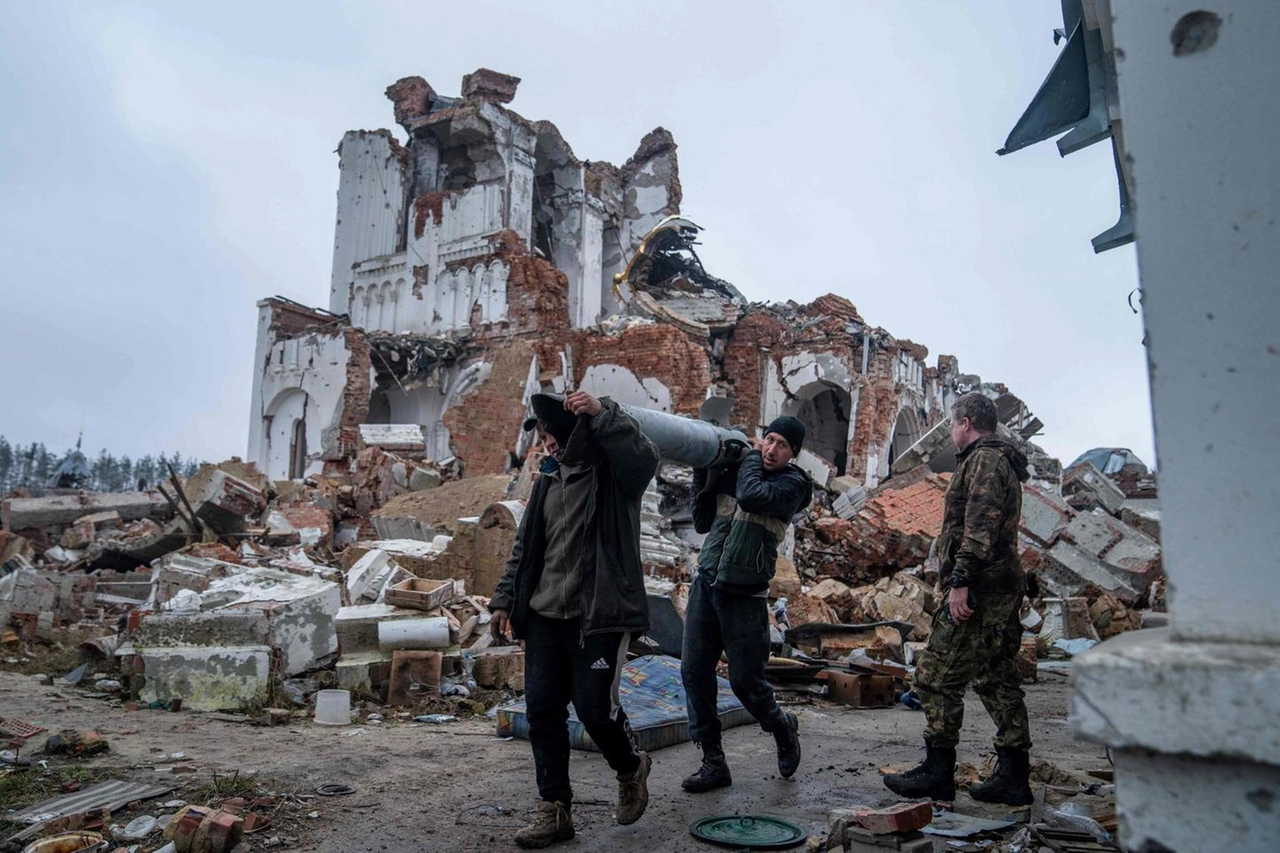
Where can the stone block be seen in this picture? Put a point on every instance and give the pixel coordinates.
(207, 678)
(300, 612)
(490, 85)
(835, 593)
(217, 628)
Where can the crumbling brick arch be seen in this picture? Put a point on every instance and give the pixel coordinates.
(826, 411)
(908, 428)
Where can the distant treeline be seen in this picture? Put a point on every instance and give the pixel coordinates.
(31, 466)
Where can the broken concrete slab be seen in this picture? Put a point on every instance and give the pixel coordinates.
(365, 674)
(1072, 571)
(1133, 554)
(211, 629)
(1085, 487)
(300, 611)
(406, 439)
(1142, 514)
(1044, 515)
(57, 511)
(208, 678)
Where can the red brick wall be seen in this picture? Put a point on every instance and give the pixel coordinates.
(484, 424)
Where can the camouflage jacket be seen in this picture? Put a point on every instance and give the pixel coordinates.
(978, 546)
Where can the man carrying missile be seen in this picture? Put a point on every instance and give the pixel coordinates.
(744, 508)
(574, 593)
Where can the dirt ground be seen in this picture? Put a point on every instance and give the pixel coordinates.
(455, 787)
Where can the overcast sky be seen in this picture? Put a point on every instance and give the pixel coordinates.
(165, 165)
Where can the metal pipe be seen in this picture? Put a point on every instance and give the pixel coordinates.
(685, 440)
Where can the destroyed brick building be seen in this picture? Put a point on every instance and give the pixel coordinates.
(482, 260)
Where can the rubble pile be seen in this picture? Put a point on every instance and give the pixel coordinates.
(228, 591)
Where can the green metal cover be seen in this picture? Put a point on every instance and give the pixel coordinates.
(755, 832)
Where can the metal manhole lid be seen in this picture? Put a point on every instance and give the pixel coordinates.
(759, 832)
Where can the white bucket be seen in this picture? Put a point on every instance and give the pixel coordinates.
(333, 707)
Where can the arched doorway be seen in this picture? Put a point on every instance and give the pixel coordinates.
(907, 430)
(824, 410)
(284, 448)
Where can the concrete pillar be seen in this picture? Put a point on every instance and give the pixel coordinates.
(1190, 713)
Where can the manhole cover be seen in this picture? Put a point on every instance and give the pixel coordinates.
(760, 832)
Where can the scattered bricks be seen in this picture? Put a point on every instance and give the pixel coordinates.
(901, 817)
(847, 835)
(804, 609)
(836, 595)
(314, 524)
(1110, 617)
(78, 536)
(500, 668)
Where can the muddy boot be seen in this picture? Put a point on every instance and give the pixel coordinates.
(633, 792)
(714, 772)
(551, 823)
(788, 740)
(935, 778)
(1010, 783)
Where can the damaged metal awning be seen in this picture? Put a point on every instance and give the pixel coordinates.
(105, 795)
(1080, 98)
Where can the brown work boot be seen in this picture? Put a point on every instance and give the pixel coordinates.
(552, 823)
(633, 792)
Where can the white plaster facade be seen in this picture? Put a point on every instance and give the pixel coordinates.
(297, 398)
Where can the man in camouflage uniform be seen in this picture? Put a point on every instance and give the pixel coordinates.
(976, 631)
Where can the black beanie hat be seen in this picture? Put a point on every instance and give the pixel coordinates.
(549, 410)
(789, 428)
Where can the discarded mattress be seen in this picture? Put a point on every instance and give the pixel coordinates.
(653, 696)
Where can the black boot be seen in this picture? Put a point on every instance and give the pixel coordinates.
(714, 772)
(788, 741)
(1010, 783)
(935, 778)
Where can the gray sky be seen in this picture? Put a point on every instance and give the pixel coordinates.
(163, 166)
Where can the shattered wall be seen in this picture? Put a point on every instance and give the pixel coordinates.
(482, 260)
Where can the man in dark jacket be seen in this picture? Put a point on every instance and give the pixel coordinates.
(976, 631)
(745, 513)
(574, 593)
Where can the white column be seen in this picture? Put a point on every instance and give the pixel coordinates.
(1191, 713)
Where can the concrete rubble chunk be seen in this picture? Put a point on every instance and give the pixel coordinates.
(490, 85)
(1085, 487)
(1044, 515)
(181, 571)
(208, 678)
(300, 612)
(357, 625)
(56, 511)
(225, 501)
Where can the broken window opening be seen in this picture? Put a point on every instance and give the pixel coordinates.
(298, 450)
(824, 410)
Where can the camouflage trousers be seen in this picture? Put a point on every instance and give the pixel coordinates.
(978, 652)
